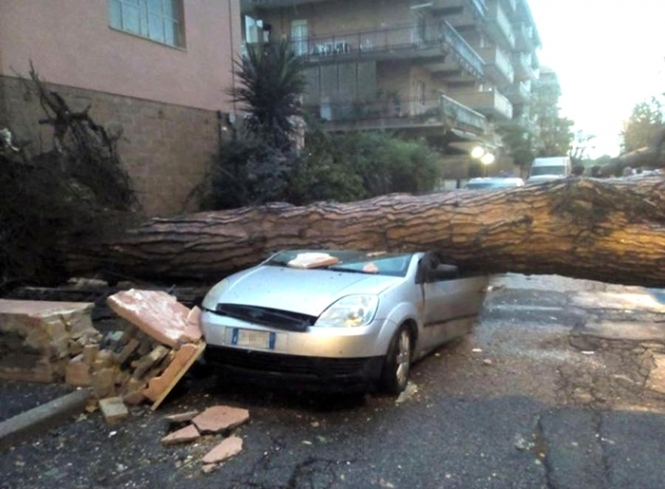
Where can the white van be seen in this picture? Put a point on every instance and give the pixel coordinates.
(552, 168)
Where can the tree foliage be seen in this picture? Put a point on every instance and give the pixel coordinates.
(272, 81)
(540, 131)
(644, 123)
(262, 164)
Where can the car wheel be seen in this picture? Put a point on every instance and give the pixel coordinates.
(397, 365)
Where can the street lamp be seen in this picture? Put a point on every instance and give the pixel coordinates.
(477, 152)
(487, 159)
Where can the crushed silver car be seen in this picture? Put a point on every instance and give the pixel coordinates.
(337, 319)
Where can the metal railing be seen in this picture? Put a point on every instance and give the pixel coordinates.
(503, 105)
(480, 7)
(502, 60)
(462, 114)
(412, 36)
(401, 112)
(462, 48)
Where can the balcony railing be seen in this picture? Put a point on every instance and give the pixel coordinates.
(462, 114)
(408, 39)
(401, 113)
(519, 92)
(496, 59)
(462, 48)
(503, 25)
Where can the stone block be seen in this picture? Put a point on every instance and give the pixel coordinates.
(184, 435)
(157, 314)
(226, 449)
(90, 353)
(103, 383)
(219, 418)
(113, 409)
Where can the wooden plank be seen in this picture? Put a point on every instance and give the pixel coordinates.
(159, 387)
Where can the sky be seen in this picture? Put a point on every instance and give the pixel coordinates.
(609, 55)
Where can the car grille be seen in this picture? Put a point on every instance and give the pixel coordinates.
(290, 321)
(287, 364)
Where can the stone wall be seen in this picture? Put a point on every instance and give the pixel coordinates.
(165, 148)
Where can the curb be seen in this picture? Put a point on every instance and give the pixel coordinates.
(37, 419)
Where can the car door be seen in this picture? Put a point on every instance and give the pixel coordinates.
(450, 302)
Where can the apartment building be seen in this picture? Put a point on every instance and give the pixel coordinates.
(446, 70)
(160, 69)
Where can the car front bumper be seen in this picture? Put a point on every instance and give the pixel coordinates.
(345, 343)
(295, 371)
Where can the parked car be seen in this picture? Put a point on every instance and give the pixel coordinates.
(549, 169)
(494, 182)
(337, 319)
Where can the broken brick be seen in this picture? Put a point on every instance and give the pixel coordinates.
(90, 353)
(77, 373)
(184, 435)
(226, 449)
(113, 409)
(158, 314)
(103, 383)
(220, 418)
(181, 417)
(104, 359)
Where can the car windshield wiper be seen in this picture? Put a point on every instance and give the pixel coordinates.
(349, 270)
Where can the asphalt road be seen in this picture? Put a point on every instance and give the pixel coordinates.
(546, 393)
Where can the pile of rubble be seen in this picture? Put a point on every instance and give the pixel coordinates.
(216, 420)
(157, 341)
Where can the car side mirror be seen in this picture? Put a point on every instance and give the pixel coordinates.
(445, 272)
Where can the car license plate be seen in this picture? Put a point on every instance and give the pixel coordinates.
(253, 339)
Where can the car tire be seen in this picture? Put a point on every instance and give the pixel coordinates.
(397, 364)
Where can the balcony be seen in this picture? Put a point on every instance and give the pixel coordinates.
(518, 93)
(499, 27)
(524, 38)
(249, 5)
(476, 8)
(524, 69)
(492, 103)
(498, 65)
(431, 115)
(438, 44)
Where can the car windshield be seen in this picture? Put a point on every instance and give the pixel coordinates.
(548, 170)
(371, 263)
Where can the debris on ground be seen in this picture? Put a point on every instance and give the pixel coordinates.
(142, 359)
(212, 421)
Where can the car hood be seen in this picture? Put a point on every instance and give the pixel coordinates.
(303, 291)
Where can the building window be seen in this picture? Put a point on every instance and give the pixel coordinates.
(157, 20)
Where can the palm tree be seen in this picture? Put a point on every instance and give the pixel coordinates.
(272, 81)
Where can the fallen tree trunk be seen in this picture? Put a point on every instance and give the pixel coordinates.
(651, 156)
(608, 230)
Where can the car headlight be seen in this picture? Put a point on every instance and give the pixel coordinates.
(350, 311)
(212, 298)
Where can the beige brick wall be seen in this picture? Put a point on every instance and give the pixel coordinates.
(165, 148)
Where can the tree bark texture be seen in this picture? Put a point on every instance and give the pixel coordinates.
(607, 230)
